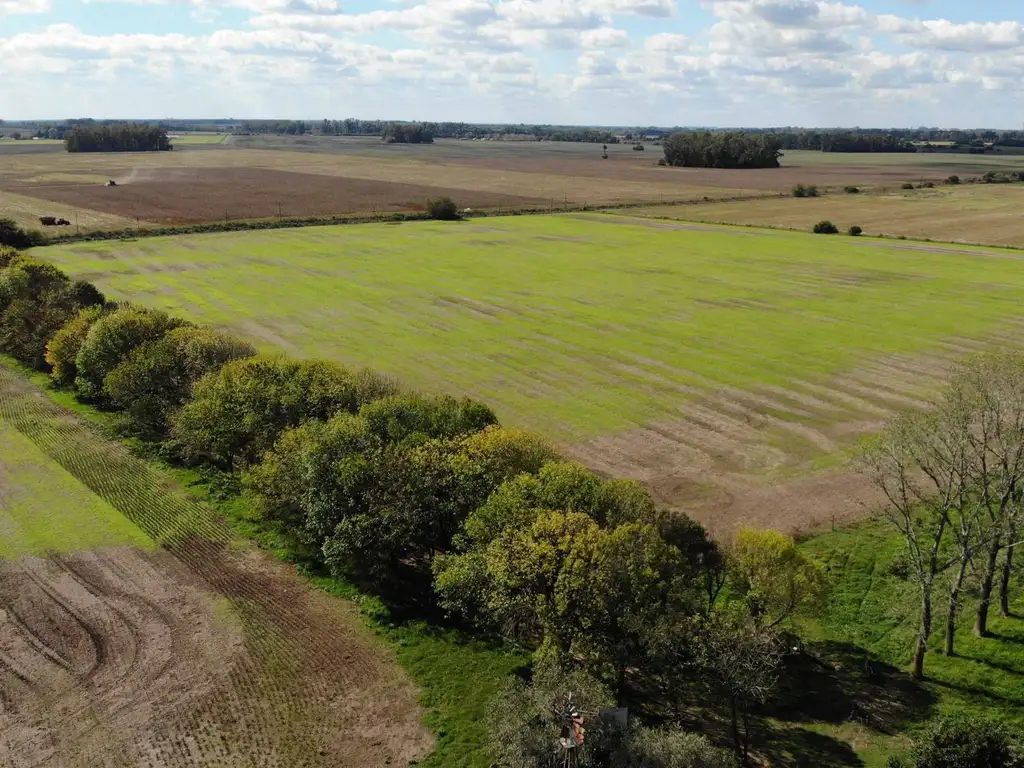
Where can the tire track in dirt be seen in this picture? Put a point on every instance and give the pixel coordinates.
(203, 653)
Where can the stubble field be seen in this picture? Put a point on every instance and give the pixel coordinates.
(134, 631)
(728, 369)
(978, 213)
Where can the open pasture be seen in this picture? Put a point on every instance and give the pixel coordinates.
(728, 369)
(976, 213)
(199, 651)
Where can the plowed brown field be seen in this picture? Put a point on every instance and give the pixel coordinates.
(204, 652)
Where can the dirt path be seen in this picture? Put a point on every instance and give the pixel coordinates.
(205, 652)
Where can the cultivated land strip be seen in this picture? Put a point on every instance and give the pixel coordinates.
(201, 653)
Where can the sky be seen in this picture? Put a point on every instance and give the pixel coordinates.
(822, 63)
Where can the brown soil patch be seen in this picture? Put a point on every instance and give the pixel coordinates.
(125, 658)
(192, 195)
(738, 457)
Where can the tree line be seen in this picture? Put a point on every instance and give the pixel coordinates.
(118, 137)
(846, 141)
(429, 500)
(408, 133)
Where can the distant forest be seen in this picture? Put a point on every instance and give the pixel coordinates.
(818, 139)
(121, 137)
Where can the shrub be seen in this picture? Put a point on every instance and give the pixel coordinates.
(662, 162)
(442, 208)
(907, 185)
(670, 748)
(805, 191)
(851, 190)
(964, 742)
(65, 344)
(157, 378)
(15, 236)
(238, 412)
(927, 185)
(825, 228)
(110, 341)
(954, 179)
(855, 231)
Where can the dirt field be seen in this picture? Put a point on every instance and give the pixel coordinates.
(188, 195)
(204, 652)
(976, 213)
(268, 176)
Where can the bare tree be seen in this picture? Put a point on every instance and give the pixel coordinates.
(742, 660)
(914, 468)
(989, 388)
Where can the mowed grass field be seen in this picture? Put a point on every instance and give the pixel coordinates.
(978, 213)
(198, 651)
(723, 367)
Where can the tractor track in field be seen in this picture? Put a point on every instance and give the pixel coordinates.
(202, 652)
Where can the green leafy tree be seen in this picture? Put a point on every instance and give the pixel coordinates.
(36, 300)
(62, 350)
(670, 748)
(112, 339)
(157, 378)
(773, 577)
(239, 411)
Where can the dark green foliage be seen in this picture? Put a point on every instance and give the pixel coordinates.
(36, 300)
(907, 185)
(62, 350)
(954, 179)
(851, 190)
(927, 185)
(13, 236)
(417, 417)
(825, 228)
(801, 190)
(855, 231)
(965, 742)
(408, 133)
(122, 137)
(157, 378)
(722, 150)
(239, 411)
(317, 475)
(442, 209)
(111, 340)
(419, 497)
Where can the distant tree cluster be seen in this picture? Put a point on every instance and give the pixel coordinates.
(722, 150)
(119, 137)
(282, 127)
(408, 133)
(846, 141)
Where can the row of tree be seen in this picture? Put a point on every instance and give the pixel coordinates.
(722, 150)
(428, 498)
(953, 479)
(118, 137)
(846, 141)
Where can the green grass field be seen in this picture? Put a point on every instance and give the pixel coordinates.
(578, 325)
(44, 509)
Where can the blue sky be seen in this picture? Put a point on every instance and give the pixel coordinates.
(661, 62)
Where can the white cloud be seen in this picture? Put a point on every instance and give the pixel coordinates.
(12, 7)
